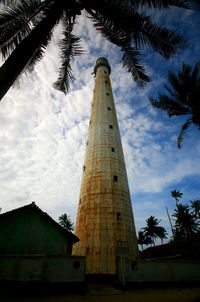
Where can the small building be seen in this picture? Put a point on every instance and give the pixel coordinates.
(33, 246)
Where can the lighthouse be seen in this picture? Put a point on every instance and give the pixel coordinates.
(105, 223)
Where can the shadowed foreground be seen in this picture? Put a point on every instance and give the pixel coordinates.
(108, 293)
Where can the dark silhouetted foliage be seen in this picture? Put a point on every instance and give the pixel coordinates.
(26, 29)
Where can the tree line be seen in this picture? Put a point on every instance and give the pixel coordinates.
(185, 223)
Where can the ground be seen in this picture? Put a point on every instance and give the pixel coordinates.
(108, 293)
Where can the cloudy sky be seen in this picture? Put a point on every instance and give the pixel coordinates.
(43, 132)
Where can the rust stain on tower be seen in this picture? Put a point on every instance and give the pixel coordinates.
(105, 223)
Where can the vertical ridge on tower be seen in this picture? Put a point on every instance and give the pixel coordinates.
(105, 224)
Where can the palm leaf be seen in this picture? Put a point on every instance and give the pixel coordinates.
(141, 29)
(15, 24)
(175, 82)
(7, 2)
(184, 128)
(18, 10)
(156, 4)
(171, 106)
(195, 74)
(173, 93)
(39, 51)
(160, 4)
(162, 40)
(122, 39)
(30, 50)
(131, 63)
(70, 47)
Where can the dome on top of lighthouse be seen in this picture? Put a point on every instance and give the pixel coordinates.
(102, 61)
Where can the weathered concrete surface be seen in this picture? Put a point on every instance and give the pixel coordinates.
(160, 271)
(105, 224)
(42, 268)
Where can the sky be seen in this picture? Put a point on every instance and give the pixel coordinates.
(43, 132)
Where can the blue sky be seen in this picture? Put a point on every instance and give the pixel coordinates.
(43, 133)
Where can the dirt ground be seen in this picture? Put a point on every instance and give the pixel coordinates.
(106, 293)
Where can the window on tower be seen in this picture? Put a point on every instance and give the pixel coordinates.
(109, 108)
(118, 216)
(110, 126)
(113, 149)
(115, 178)
(107, 93)
(106, 82)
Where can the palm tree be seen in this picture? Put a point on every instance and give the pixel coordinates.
(161, 233)
(153, 230)
(26, 29)
(184, 97)
(176, 194)
(66, 223)
(143, 239)
(195, 205)
(186, 223)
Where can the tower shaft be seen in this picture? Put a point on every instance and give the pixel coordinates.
(104, 224)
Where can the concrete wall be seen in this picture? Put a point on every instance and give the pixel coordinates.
(42, 268)
(159, 270)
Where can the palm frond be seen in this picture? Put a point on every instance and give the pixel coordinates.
(15, 24)
(162, 40)
(172, 107)
(140, 28)
(195, 73)
(133, 66)
(108, 29)
(184, 128)
(70, 48)
(10, 37)
(162, 4)
(122, 39)
(38, 53)
(173, 93)
(174, 81)
(155, 4)
(44, 38)
(18, 10)
(8, 2)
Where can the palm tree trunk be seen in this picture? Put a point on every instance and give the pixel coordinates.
(20, 57)
(170, 222)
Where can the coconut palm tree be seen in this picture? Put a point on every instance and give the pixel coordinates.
(176, 194)
(185, 221)
(26, 28)
(183, 97)
(143, 239)
(66, 223)
(153, 230)
(195, 205)
(161, 233)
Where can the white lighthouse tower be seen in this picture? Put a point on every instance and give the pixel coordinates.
(105, 224)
